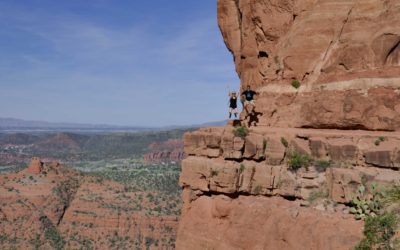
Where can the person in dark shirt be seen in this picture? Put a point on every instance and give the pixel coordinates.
(233, 104)
(248, 95)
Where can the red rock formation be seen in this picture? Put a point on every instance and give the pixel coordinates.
(61, 207)
(258, 165)
(35, 167)
(344, 53)
(242, 192)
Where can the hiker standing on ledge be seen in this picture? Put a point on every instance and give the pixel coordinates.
(248, 96)
(233, 104)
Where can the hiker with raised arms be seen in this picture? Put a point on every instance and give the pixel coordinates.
(248, 95)
(233, 104)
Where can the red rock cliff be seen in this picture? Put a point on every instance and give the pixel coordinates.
(346, 55)
(241, 192)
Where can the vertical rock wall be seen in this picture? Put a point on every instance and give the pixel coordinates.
(345, 54)
(242, 192)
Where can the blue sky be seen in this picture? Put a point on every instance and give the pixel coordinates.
(122, 62)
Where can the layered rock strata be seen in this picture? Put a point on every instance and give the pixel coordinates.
(244, 172)
(168, 151)
(257, 164)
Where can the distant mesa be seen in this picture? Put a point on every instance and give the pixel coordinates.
(167, 151)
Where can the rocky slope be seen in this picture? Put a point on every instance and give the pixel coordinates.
(48, 206)
(289, 182)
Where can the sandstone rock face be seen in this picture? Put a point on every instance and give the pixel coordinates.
(345, 54)
(353, 157)
(264, 210)
(264, 223)
(327, 74)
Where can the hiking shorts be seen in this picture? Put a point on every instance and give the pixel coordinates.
(249, 102)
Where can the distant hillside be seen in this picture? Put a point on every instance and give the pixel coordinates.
(19, 147)
(19, 125)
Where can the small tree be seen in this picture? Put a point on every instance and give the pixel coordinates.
(241, 131)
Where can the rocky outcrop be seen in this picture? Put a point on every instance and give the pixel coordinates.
(258, 164)
(233, 185)
(345, 54)
(35, 167)
(327, 74)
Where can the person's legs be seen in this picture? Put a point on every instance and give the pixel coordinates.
(249, 106)
(235, 111)
(230, 113)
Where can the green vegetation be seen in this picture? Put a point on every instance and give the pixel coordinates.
(242, 168)
(367, 206)
(3, 238)
(241, 131)
(145, 178)
(66, 190)
(379, 140)
(318, 194)
(8, 239)
(150, 241)
(378, 232)
(383, 220)
(296, 84)
(322, 165)
(213, 173)
(52, 234)
(276, 59)
(392, 195)
(297, 161)
(284, 142)
(258, 189)
(265, 143)
(160, 182)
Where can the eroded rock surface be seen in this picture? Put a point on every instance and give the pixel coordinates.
(254, 172)
(219, 222)
(344, 53)
(328, 77)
